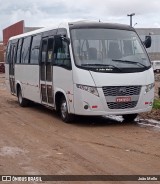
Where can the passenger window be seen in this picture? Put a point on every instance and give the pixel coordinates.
(50, 50)
(35, 49)
(7, 53)
(61, 53)
(44, 51)
(12, 53)
(25, 50)
(18, 59)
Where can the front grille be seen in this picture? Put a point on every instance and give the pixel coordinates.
(122, 105)
(121, 90)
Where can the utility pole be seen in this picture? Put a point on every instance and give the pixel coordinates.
(131, 15)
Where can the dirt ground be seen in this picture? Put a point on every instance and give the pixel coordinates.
(34, 141)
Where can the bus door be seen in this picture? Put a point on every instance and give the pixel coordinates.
(46, 71)
(12, 58)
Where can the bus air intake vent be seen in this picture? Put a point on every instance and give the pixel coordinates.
(123, 105)
(121, 90)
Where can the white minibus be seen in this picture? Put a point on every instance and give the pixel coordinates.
(82, 68)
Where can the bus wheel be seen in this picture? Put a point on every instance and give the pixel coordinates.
(22, 101)
(129, 117)
(65, 116)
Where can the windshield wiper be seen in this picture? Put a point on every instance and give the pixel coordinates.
(103, 65)
(130, 62)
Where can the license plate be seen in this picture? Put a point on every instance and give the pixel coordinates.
(123, 99)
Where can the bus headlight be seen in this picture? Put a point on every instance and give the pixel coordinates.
(149, 87)
(89, 89)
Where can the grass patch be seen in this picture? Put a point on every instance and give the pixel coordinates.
(156, 104)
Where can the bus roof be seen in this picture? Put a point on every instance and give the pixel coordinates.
(77, 24)
(41, 30)
(89, 24)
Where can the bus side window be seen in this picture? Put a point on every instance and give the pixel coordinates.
(61, 53)
(26, 50)
(34, 55)
(19, 48)
(7, 52)
(50, 50)
(13, 53)
(43, 59)
(44, 51)
(49, 60)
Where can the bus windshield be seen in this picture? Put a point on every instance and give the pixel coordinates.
(108, 50)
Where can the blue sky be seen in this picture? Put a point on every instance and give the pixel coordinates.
(43, 13)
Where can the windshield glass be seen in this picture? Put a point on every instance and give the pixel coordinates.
(109, 50)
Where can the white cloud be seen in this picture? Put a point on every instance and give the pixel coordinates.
(43, 13)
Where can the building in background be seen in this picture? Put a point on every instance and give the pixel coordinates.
(1, 52)
(13, 30)
(154, 50)
(16, 29)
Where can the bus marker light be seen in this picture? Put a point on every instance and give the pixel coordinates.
(94, 106)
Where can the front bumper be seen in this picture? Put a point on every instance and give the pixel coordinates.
(97, 106)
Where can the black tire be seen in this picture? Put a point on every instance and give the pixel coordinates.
(22, 101)
(65, 116)
(129, 117)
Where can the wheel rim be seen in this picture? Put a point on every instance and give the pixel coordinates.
(64, 109)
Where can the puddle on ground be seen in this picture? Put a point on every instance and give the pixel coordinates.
(149, 123)
(116, 118)
(141, 122)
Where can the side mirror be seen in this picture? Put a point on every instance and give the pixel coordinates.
(60, 38)
(147, 41)
(66, 39)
